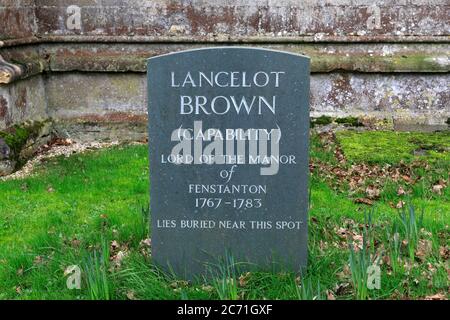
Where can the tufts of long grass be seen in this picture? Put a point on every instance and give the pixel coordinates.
(96, 272)
(224, 275)
(306, 290)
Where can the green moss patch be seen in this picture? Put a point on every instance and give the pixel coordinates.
(346, 121)
(349, 121)
(17, 137)
(321, 121)
(393, 147)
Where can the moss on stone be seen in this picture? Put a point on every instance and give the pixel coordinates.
(410, 62)
(17, 136)
(349, 121)
(320, 121)
(417, 62)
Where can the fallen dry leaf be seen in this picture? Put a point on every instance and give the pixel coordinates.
(437, 296)
(345, 273)
(75, 243)
(207, 288)
(146, 242)
(386, 260)
(145, 247)
(426, 233)
(400, 204)
(401, 191)
(437, 188)
(177, 284)
(357, 242)
(118, 258)
(114, 245)
(330, 295)
(364, 200)
(406, 178)
(431, 268)
(38, 260)
(372, 192)
(342, 232)
(342, 288)
(323, 245)
(444, 252)
(131, 295)
(424, 248)
(243, 279)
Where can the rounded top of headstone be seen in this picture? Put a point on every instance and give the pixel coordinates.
(230, 48)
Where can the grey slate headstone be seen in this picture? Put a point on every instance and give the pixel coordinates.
(199, 213)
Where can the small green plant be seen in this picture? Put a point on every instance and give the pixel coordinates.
(139, 278)
(368, 229)
(394, 249)
(360, 259)
(96, 268)
(224, 278)
(359, 262)
(410, 225)
(142, 224)
(307, 291)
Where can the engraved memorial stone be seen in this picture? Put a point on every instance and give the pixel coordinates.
(228, 140)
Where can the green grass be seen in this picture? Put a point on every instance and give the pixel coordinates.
(380, 155)
(72, 210)
(393, 147)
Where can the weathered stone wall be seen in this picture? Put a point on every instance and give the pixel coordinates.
(120, 97)
(21, 101)
(17, 19)
(249, 20)
(82, 62)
